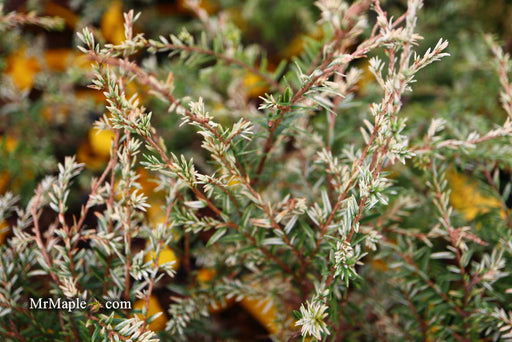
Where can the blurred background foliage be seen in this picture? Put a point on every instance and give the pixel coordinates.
(47, 111)
(55, 106)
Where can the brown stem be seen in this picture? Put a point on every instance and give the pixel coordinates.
(110, 206)
(14, 331)
(421, 322)
(127, 224)
(74, 329)
(409, 260)
(39, 240)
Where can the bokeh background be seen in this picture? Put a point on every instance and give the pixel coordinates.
(47, 110)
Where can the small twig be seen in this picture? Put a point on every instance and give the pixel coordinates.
(420, 320)
(38, 238)
(110, 205)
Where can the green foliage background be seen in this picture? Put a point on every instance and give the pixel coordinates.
(390, 299)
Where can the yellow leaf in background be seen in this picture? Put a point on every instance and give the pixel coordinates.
(166, 255)
(4, 231)
(154, 307)
(22, 69)
(467, 198)
(156, 214)
(147, 186)
(264, 311)
(219, 306)
(5, 177)
(56, 112)
(205, 275)
(231, 180)
(55, 10)
(95, 95)
(7, 145)
(379, 265)
(367, 78)
(254, 85)
(132, 89)
(9, 181)
(112, 23)
(296, 46)
(145, 181)
(237, 19)
(82, 61)
(101, 142)
(57, 59)
(209, 6)
(234, 181)
(85, 155)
